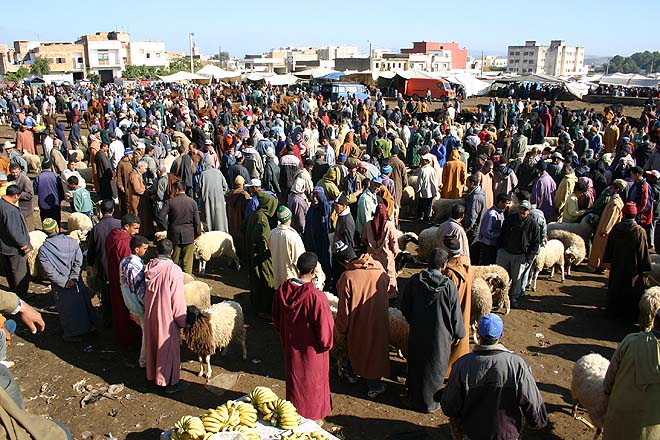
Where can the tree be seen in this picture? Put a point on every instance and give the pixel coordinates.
(93, 77)
(40, 67)
(183, 64)
(22, 73)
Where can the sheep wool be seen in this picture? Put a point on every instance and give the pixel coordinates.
(550, 256)
(482, 303)
(649, 304)
(398, 329)
(587, 388)
(215, 244)
(79, 221)
(498, 280)
(215, 329)
(575, 250)
(427, 241)
(33, 161)
(584, 229)
(197, 293)
(37, 238)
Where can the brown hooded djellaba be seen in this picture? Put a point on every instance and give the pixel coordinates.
(458, 270)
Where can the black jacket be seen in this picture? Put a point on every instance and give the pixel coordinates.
(181, 215)
(520, 236)
(13, 230)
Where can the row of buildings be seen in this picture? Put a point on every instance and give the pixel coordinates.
(108, 53)
(103, 53)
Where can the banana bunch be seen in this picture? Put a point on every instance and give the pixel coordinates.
(260, 397)
(188, 428)
(223, 417)
(248, 433)
(247, 413)
(283, 415)
(318, 435)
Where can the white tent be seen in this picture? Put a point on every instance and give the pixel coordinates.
(215, 72)
(182, 76)
(274, 80)
(313, 72)
(472, 85)
(629, 80)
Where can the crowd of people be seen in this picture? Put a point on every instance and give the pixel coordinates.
(306, 186)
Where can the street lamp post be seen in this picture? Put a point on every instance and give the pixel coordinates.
(192, 68)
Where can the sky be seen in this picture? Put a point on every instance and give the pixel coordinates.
(603, 27)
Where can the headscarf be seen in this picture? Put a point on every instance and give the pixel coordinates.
(590, 194)
(379, 221)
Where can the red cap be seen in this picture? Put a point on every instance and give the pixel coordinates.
(199, 122)
(630, 209)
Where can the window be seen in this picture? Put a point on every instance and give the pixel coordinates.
(103, 57)
(148, 55)
(80, 59)
(60, 60)
(157, 54)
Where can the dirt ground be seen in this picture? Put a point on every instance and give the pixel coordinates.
(556, 325)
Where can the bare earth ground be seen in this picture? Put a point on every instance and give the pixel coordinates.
(559, 323)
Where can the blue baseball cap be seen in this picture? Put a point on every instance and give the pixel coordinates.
(491, 326)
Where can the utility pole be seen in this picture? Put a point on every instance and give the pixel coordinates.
(192, 66)
(482, 63)
(370, 66)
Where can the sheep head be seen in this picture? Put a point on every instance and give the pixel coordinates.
(570, 256)
(199, 335)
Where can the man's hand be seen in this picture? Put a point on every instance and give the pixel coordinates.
(32, 319)
(455, 342)
(26, 249)
(70, 284)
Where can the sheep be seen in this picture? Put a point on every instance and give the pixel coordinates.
(339, 347)
(79, 221)
(402, 260)
(33, 161)
(408, 201)
(428, 239)
(81, 166)
(654, 276)
(79, 236)
(170, 158)
(499, 281)
(481, 305)
(83, 141)
(37, 238)
(76, 155)
(398, 330)
(197, 293)
(442, 208)
(584, 229)
(587, 389)
(649, 304)
(213, 329)
(655, 258)
(550, 256)
(215, 244)
(187, 278)
(403, 238)
(160, 235)
(575, 249)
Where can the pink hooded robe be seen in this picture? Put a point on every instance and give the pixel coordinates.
(302, 317)
(164, 314)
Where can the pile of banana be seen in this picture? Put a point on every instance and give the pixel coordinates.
(318, 435)
(279, 412)
(242, 417)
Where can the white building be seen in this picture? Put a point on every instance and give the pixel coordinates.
(329, 53)
(147, 53)
(558, 59)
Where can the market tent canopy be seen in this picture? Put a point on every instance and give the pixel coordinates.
(332, 75)
(533, 78)
(472, 85)
(273, 80)
(629, 80)
(215, 72)
(404, 74)
(182, 76)
(316, 72)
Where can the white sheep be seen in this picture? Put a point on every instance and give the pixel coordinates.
(213, 329)
(654, 276)
(481, 304)
(550, 256)
(584, 229)
(81, 166)
(187, 278)
(197, 293)
(575, 249)
(83, 141)
(79, 221)
(587, 388)
(79, 236)
(428, 239)
(649, 304)
(334, 302)
(37, 238)
(160, 235)
(76, 155)
(170, 158)
(33, 161)
(442, 208)
(398, 330)
(408, 201)
(339, 348)
(215, 244)
(499, 281)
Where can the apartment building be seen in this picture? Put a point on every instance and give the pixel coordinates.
(458, 55)
(557, 59)
(147, 53)
(106, 53)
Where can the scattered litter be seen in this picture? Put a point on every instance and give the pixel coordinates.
(88, 349)
(20, 344)
(111, 437)
(94, 393)
(256, 361)
(555, 371)
(113, 412)
(44, 387)
(130, 397)
(539, 335)
(221, 383)
(86, 435)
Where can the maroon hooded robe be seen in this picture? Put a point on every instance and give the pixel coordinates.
(126, 332)
(302, 317)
